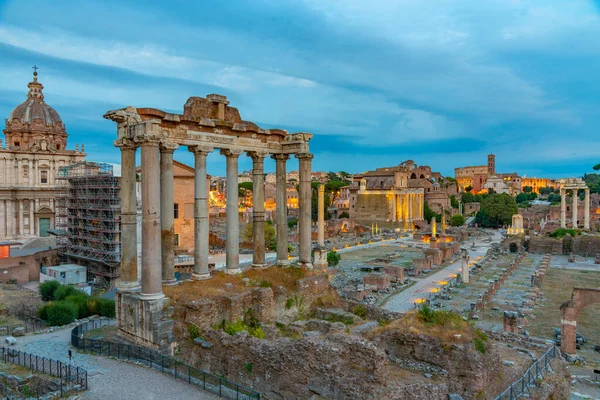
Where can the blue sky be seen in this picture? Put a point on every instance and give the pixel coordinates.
(378, 82)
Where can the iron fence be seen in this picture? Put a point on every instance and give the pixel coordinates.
(165, 364)
(522, 386)
(28, 322)
(71, 378)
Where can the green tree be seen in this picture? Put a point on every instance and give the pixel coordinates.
(527, 189)
(497, 210)
(428, 214)
(333, 188)
(453, 201)
(468, 189)
(546, 191)
(457, 220)
(333, 258)
(344, 214)
(597, 167)
(270, 235)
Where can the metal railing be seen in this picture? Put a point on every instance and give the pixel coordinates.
(529, 379)
(165, 364)
(71, 378)
(29, 323)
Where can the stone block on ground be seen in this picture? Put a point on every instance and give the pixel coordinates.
(336, 315)
(18, 331)
(381, 281)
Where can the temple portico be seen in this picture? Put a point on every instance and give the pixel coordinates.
(574, 184)
(207, 124)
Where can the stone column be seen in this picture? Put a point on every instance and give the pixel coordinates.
(31, 217)
(281, 208)
(258, 208)
(30, 173)
(410, 206)
(201, 228)
(167, 222)
(129, 261)
(151, 227)
(304, 205)
(19, 177)
(232, 256)
(586, 205)
(575, 206)
(21, 231)
(11, 225)
(563, 208)
(394, 209)
(321, 212)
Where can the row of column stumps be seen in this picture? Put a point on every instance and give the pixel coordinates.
(158, 214)
(563, 208)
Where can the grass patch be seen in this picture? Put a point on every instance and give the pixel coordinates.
(360, 310)
(194, 331)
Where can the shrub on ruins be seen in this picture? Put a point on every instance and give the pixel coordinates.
(42, 313)
(457, 220)
(360, 310)
(430, 316)
(102, 307)
(333, 258)
(64, 291)
(344, 214)
(61, 313)
(562, 232)
(270, 235)
(80, 301)
(47, 289)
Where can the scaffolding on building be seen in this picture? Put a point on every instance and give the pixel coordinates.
(88, 220)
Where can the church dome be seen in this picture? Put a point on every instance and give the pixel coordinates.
(34, 120)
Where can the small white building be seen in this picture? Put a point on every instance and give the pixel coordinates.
(67, 274)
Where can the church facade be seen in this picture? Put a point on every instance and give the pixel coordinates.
(30, 160)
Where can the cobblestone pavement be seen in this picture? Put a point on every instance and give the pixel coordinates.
(404, 301)
(108, 378)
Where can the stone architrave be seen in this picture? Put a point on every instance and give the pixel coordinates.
(281, 208)
(201, 225)
(258, 208)
(167, 221)
(304, 200)
(232, 250)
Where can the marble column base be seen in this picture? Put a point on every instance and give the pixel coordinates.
(128, 287)
(232, 271)
(151, 296)
(307, 265)
(169, 282)
(259, 265)
(201, 277)
(282, 263)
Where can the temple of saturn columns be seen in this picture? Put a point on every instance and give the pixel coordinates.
(207, 124)
(574, 184)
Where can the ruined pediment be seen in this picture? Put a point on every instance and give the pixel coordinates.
(196, 108)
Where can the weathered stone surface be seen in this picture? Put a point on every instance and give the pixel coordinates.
(18, 331)
(205, 344)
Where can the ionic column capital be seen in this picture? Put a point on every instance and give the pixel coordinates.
(148, 141)
(200, 150)
(231, 153)
(309, 156)
(125, 144)
(168, 147)
(257, 156)
(280, 157)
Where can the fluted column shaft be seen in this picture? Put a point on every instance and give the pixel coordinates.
(281, 208)
(586, 207)
(167, 220)
(201, 227)
(258, 208)
(304, 200)
(151, 225)
(563, 208)
(232, 256)
(321, 214)
(394, 207)
(31, 218)
(575, 208)
(129, 259)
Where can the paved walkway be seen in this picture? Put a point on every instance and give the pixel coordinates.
(108, 378)
(404, 301)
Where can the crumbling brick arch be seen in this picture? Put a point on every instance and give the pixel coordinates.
(580, 298)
